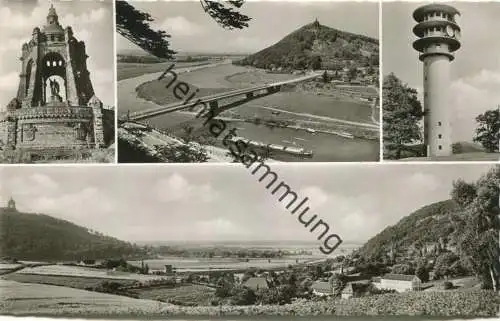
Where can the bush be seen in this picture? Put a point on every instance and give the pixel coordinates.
(450, 304)
(447, 285)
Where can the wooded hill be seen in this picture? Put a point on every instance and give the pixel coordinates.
(317, 47)
(428, 224)
(41, 237)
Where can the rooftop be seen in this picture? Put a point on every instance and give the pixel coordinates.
(322, 287)
(256, 283)
(398, 277)
(420, 12)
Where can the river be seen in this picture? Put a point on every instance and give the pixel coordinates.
(325, 147)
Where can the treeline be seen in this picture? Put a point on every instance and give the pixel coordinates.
(140, 59)
(220, 252)
(317, 47)
(41, 237)
(458, 237)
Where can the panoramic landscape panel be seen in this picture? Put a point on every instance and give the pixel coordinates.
(206, 241)
(300, 89)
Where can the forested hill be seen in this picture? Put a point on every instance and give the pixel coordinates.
(428, 224)
(317, 47)
(41, 237)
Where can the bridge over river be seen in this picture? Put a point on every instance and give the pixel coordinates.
(215, 107)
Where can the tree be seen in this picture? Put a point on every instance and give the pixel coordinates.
(325, 77)
(315, 63)
(338, 282)
(352, 73)
(443, 265)
(463, 193)
(447, 285)
(422, 272)
(401, 113)
(134, 24)
(477, 226)
(226, 16)
(402, 269)
(185, 153)
(488, 130)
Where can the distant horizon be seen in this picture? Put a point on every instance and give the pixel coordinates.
(234, 242)
(224, 203)
(140, 52)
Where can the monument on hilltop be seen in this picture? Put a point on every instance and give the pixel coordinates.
(11, 204)
(439, 36)
(55, 107)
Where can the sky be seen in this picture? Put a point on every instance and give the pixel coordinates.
(475, 72)
(92, 22)
(226, 202)
(193, 30)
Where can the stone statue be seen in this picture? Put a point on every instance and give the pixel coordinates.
(54, 88)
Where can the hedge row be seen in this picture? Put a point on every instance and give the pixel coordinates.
(447, 303)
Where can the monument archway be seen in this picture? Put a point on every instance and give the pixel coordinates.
(54, 77)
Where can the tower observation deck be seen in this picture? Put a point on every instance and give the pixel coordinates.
(438, 38)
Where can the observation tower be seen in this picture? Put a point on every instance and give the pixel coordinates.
(439, 36)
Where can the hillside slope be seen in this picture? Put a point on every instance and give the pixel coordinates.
(426, 225)
(318, 47)
(41, 237)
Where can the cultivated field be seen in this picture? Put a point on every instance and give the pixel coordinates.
(190, 265)
(76, 271)
(186, 294)
(69, 281)
(128, 70)
(36, 299)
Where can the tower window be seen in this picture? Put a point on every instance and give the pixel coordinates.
(440, 147)
(439, 123)
(48, 63)
(440, 136)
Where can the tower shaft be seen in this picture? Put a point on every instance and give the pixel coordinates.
(437, 118)
(438, 38)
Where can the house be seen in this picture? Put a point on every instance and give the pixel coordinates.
(399, 282)
(322, 288)
(348, 291)
(256, 283)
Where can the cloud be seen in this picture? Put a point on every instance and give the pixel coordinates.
(44, 181)
(18, 22)
(85, 19)
(177, 188)
(32, 185)
(421, 180)
(8, 85)
(316, 195)
(180, 26)
(472, 96)
(11, 44)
